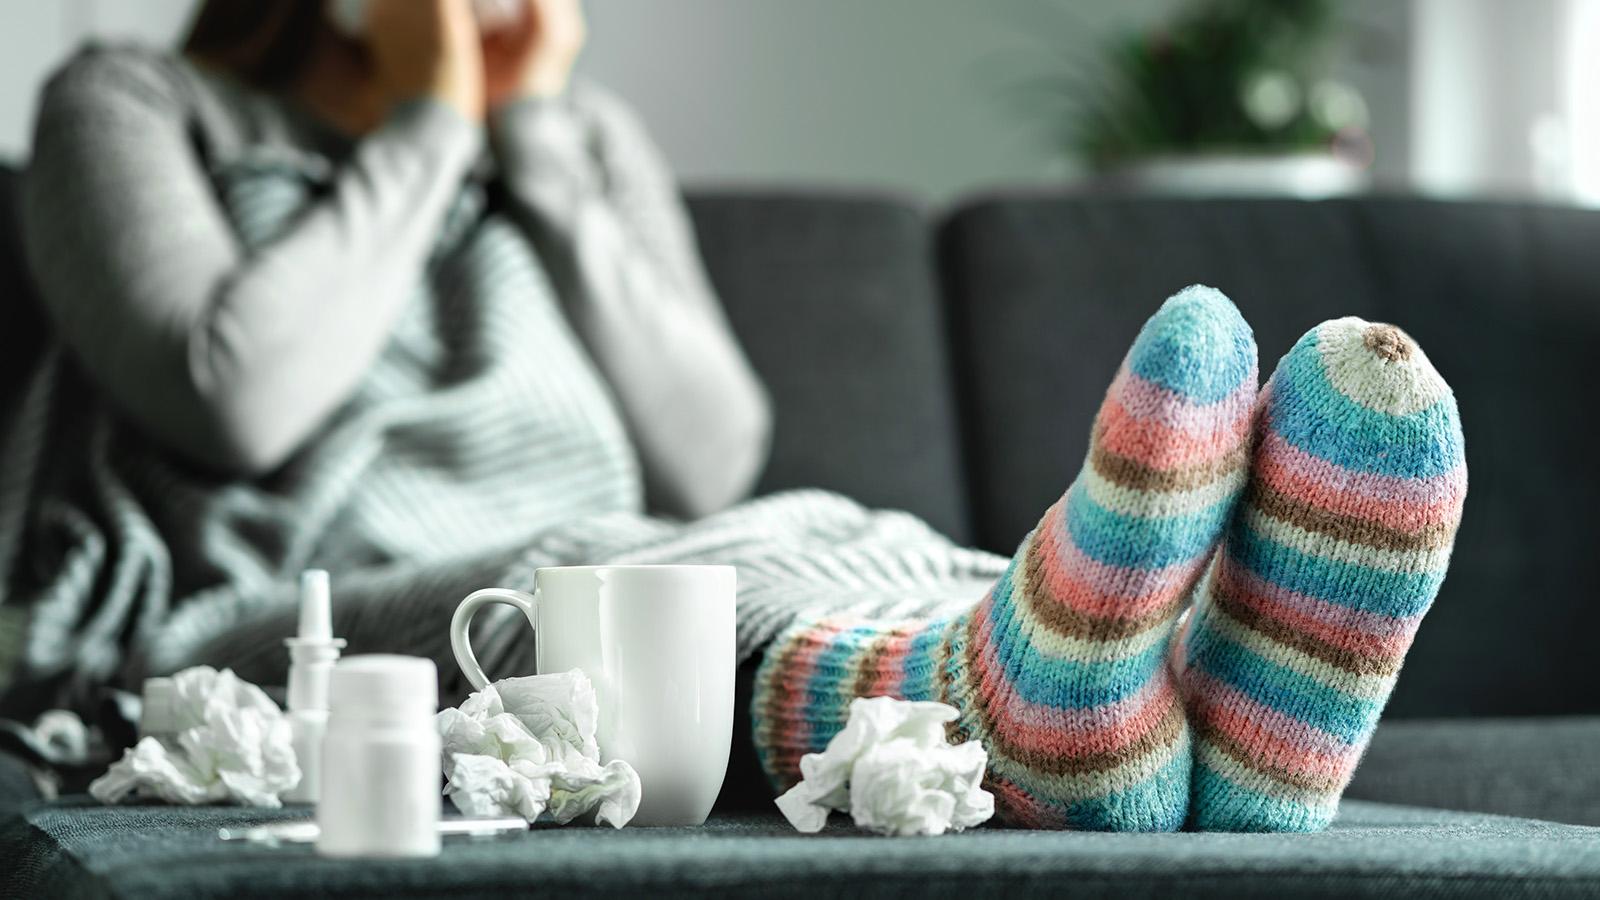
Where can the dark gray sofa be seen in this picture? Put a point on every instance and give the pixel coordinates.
(949, 365)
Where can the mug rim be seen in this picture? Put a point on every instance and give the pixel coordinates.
(642, 567)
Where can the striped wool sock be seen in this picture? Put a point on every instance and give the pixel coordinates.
(1060, 669)
(1338, 548)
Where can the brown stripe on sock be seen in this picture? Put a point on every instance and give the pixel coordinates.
(1349, 529)
(785, 761)
(1223, 591)
(1165, 732)
(944, 683)
(1069, 622)
(1319, 784)
(871, 660)
(1130, 473)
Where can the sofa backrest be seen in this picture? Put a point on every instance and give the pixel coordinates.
(834, 298)
(21, 322)
(973, 413)
(1047, 291)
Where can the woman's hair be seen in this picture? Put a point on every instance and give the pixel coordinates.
(264, 43)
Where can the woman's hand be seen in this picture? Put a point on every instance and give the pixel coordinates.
(427, 48)
(534, 57)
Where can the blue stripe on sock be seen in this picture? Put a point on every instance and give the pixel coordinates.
(1345, 717)
(1140, 542)
(832, 666)
(1065, 683)
(923, 684)
(1342, 583)
(1221, 805)
(1196, 345)
(1308, 412)
(1158, 803)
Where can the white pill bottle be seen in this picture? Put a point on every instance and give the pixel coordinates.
(381, 776)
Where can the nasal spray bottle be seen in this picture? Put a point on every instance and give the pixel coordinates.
(311, 657)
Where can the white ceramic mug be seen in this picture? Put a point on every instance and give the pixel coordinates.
(658, 644)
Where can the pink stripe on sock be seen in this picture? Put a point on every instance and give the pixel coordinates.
(1020, 806)
(1207, 692)
(1148, 401)
(1370, 634)
(1155, 444)
(1271, 744)
(1405, 504)
(1104, 591)
(1057, 732)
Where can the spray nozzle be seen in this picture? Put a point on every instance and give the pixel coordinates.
(316, 614)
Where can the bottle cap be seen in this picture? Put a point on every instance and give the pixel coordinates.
(384, 686)
(157, 714)
(316, 614)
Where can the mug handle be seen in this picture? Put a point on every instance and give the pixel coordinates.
(462, 621)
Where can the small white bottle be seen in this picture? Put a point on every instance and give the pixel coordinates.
(380, 759)
(312, 653)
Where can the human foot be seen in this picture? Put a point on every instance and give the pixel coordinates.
(1341, 542)
(1059, 670)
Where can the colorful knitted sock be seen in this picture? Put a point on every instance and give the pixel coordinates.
(1060, 669)
(1329, 564)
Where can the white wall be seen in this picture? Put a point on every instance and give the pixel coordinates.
(915, 95)
(35, 35)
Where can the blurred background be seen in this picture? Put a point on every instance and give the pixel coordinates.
(944, 97)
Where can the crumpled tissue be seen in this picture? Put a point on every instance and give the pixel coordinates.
(526, 747)
(895, 773)
(232, 744)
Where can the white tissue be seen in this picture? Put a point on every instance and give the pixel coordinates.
(230, 744)
(893, 770)
(526, 747)
(350, 16)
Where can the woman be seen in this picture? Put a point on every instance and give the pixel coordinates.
(316, 323)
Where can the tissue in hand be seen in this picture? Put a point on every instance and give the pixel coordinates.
(526, 747)
(229, 742)
(892, 768)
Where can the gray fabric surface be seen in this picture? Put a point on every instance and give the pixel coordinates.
(834, 300)
(1046, 289)
(1373, 850)
(1547, 768)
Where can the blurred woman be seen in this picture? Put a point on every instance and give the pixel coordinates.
(390, 302)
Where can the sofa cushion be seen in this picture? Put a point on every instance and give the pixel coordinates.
(1047, 291)
(1537, 767)
(71, 849)
(834, 300)
(21, 338)
(17, 786)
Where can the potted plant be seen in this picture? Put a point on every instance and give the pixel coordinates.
(1230, 96)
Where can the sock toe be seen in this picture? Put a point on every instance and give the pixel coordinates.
(1196, 345)
(1363, 395)
(1378, 366)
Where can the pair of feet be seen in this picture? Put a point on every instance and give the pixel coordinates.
(1307, 526)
